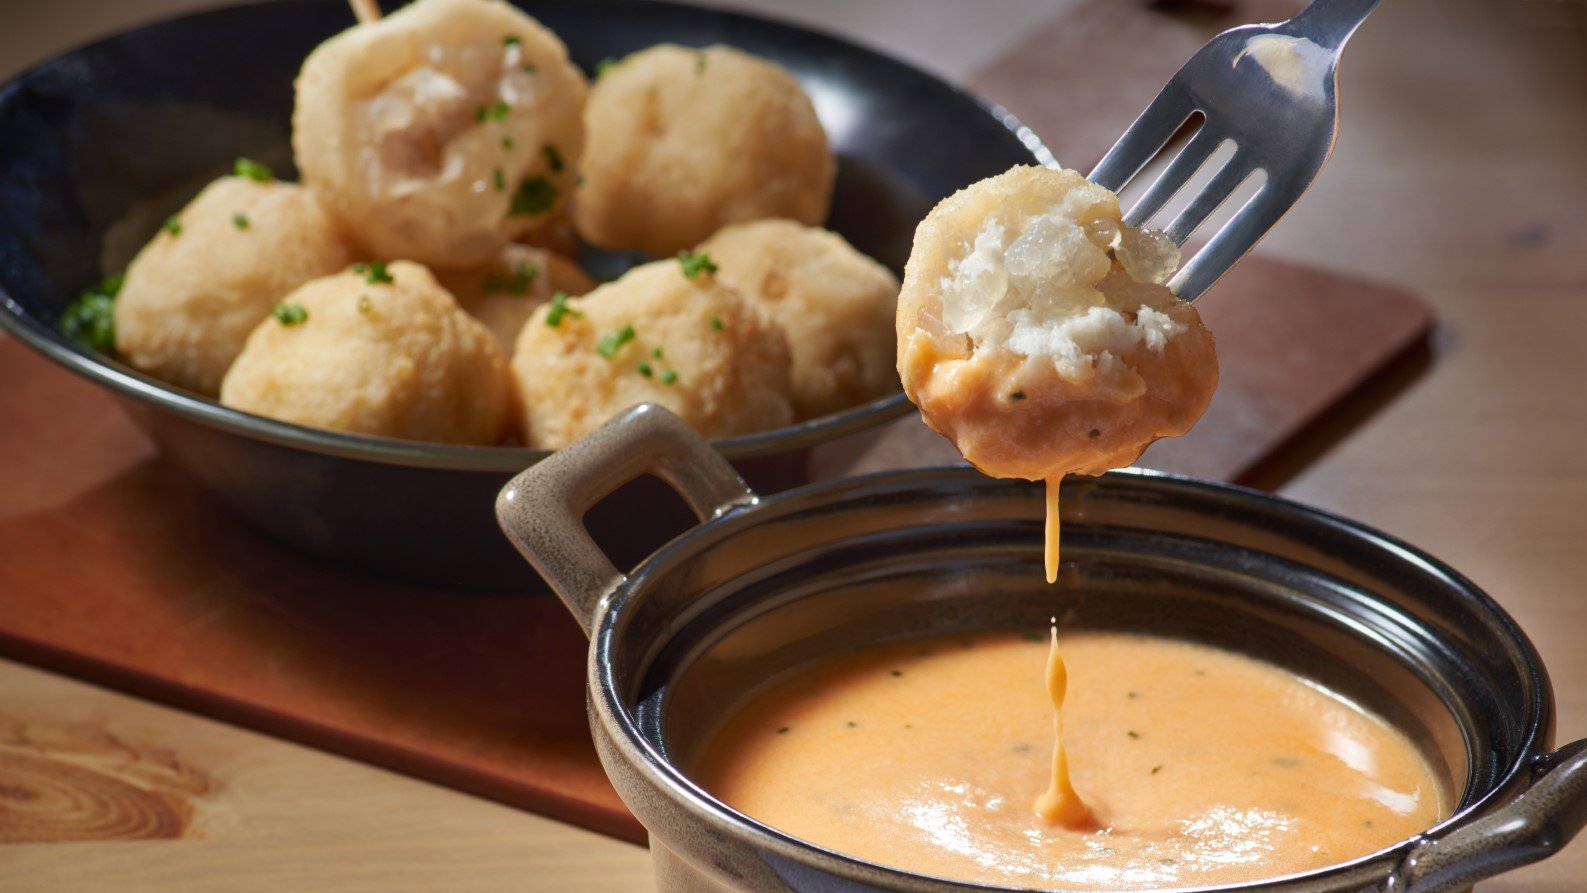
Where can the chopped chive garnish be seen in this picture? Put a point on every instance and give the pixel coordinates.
(506, 144)
(559, 308)
(374, 272)
(553, 157)
(253, 170)
(612, 342)
(695, 264)
(290, 314)
(511, 40)
(656, 354)
(534, 196)
(91, 319)
(500, 179)
(496, 111)
(172, 225)
(669, 377)
(644, 369)
(716, 323)
(240, 221)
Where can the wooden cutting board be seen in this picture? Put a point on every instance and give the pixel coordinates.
(117, 569)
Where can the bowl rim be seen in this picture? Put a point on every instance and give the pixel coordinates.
(126, 382)
(611, 716)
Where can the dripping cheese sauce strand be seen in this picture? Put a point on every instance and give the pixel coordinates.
(1051, 552)
(1060, 805)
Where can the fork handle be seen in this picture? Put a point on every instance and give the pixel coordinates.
(1330, 23)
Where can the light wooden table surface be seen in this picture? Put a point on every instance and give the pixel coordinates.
(1461, 173)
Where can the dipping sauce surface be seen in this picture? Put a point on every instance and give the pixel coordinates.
(1202, 766)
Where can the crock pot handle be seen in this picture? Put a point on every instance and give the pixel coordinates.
(1533, 826)
(542, 509)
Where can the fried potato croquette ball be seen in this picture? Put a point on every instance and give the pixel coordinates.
(685, 141)
(835, 304)
(656, 335)
(442, 131)
(193, 294)
(1035, 333)
(376, 350)
(504, 293)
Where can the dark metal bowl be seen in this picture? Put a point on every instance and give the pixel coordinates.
(102, 142)
(768, 584)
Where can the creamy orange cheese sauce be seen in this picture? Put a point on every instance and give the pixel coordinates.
(1199, 766)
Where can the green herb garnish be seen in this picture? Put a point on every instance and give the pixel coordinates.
(511, 40)
(607, 64)
(290, 314)
(644, 369)
(496, 111)
(253, 170)
(559, 308)
(612, 342)
(240, 221)
(500, 179)
(374, 272)
(172, 225)
(90, 320)
(695, 264)
(716, 323)
(534, 196)
(553, 157)
(669, 377)
(506, 144)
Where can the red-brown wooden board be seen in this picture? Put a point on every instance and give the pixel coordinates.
(115, 568)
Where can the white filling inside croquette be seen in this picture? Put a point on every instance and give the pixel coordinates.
(1048, 291)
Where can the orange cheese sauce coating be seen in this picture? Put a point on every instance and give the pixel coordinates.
(1200, 766)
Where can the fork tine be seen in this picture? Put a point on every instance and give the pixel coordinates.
(1212, 196)
(1174, 177)
(1237, 237)
(1150, 132)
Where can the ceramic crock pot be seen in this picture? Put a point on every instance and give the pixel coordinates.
(768, 583)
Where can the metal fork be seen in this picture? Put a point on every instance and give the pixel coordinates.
(1270, 89)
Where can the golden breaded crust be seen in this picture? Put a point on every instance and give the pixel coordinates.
(683, 142)
(835, 304)
(727, 362)
(397, 127)
(398, 359)
(190, 299)
(1050, 357)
